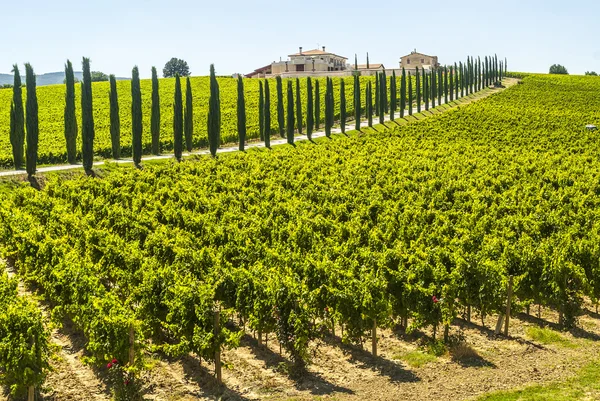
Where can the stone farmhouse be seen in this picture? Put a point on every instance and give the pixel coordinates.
(416, 59)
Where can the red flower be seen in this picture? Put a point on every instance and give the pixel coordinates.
(127, 382)
(114, 361)
(109, 365)
(435, 300)
(326, 309)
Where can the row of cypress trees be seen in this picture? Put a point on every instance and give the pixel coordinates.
(448, 82)
(24, 123)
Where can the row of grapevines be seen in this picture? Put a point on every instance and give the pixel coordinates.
(24, 350)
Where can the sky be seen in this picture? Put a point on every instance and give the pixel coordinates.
(240, 36)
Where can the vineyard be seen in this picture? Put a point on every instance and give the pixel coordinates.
(489, 209)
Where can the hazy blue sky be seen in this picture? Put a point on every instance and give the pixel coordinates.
(239, 36)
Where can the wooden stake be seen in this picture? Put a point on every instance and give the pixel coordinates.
(131, 345)
(333, 327)
(499, 324)
(216, 329)
(259, 337)
(374, 338)
(31, 394)
(508, 302)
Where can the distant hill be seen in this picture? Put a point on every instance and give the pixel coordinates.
(51, 78)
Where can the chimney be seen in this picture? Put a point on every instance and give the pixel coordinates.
(323, 48)
(300, 49)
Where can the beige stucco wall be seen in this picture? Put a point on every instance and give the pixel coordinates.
(418, 60)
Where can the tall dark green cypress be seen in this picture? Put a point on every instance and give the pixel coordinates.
(402, 93)
(418, 85)
(479, 74)
(426, 90)
(393, 96)
(155, 116)
(317, 105)
(188, 119)
(178, 120)
(410, 95)
(32, 121)
(87, 117)
(298, 107)
(451, 83)
(355, 62)
(384, 92)
(310, 116)
(357, 103)
(115, 119)
(343, 105)
(214, 114)
(290, 113)
(328, 110)
(70, 118)
(136, 116)
(462, 80)
(280, 107)
(382, 96)
(377, 96)
(267, 115)
(433, 75)
(439, 87)
(261, 111)
(445, 85)
(368, 60)
(456, 77)
(369, 103)
(241, 113)
(331, 104)
(17, 121)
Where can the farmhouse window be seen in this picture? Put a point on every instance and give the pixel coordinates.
(407, 61)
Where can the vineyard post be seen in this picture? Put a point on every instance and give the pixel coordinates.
(374, 337)
(131, 345)
(508, 301)
(499, 323)
(218, 372)
(260, 337)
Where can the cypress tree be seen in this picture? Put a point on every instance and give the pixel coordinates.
(310, 119)
(261, 111)
(241, 113)
(328, 110)
(17, 121)
(115, 119)
(451, 84)
(446, 85)
(70, 119)
(496, 65)
(377, 96)
(382, 96)
(432, 74)
(410, 95)
(402, 93)
(178, 120)
(485, 72)
(214, 114)
(462, 80)
(355, 62)
(357, 103)
(426, 90)
(393, 95)
(290, 112)
(188, 121)
(280, 107)
(384, 92)
(343, 105)
(418, 84)
(317, 105)
(479, 75)
(369, 103)
(31, 120)
(298, 106)
(331, 104)
(267, 115)
(87, 117)
(155, 116)
(136, 116)
(439, 87)
(505, 64)
(455, 77)
(367, 60)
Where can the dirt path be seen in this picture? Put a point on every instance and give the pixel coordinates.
(274, 142)
(70, 378)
